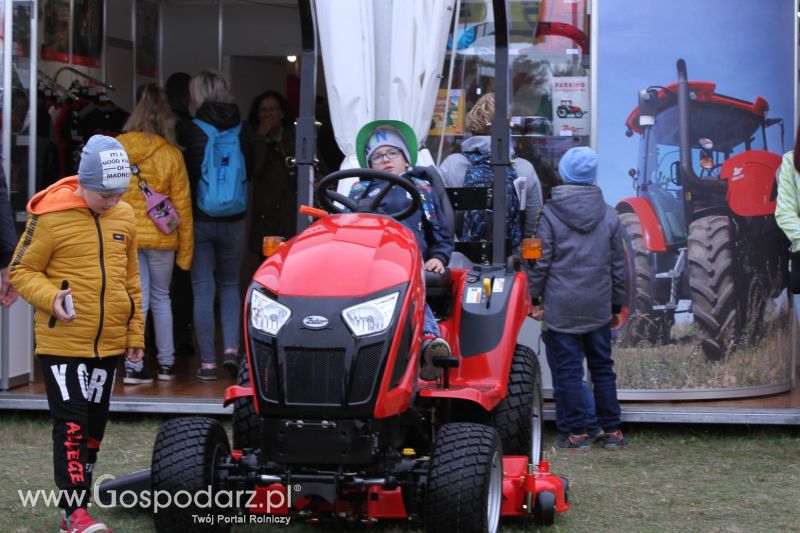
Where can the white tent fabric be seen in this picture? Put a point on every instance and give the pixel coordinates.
(382, 60)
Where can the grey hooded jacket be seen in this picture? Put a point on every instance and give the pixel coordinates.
(581, 275)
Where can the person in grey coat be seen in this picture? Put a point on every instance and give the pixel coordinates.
(578, 288)
(8, 241)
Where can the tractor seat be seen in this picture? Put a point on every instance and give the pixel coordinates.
(436, 281)
(431, 174)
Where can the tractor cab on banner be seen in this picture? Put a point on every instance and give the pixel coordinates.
(332, 421)
(701, 227)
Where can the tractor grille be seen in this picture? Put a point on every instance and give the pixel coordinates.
(265, 366)
(314, 376)
(368, 366)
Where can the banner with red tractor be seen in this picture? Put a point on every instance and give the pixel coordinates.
(691, 125)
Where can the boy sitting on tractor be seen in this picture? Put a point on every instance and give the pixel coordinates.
(391, 146)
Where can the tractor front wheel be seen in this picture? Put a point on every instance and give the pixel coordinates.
(642, 323)
(464, 491)
(246, 423)
(186, 458)
(713, 288)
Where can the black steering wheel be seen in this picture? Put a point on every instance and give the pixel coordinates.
(328, 196)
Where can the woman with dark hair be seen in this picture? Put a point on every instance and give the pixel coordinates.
(269, 145)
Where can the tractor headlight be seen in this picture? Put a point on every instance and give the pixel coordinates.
(266, 314)
(371, 317)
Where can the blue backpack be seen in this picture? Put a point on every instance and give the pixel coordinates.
(478, 223)
(222, 188)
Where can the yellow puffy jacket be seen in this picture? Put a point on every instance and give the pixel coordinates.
(161, 165)
(64, 240)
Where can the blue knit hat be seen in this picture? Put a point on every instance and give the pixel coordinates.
(104, 166)
(578, 166)
(385, 136)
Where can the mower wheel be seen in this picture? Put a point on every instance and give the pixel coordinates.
(465, 481)
(246, 423)
(544, 509)
(186, 457)
(713, 289)
(642, 324)
(518, 417)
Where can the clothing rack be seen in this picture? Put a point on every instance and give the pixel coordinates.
(54, 85)
(87, 76)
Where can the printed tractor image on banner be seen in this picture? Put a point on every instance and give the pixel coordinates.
(708, 303)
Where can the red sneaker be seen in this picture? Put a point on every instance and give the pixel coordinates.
(81, 522)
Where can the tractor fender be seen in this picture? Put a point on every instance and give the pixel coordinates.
(652, 236)
(234, 392)
(751, 182)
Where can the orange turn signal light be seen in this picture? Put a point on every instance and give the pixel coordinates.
(531, 248)
(271, 244)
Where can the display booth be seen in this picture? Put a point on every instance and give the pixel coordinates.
(688, 117)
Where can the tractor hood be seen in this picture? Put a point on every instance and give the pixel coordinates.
(346, 255)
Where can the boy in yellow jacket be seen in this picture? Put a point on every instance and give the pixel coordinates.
(80, 245)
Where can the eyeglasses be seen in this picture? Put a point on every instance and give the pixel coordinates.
(388, 154)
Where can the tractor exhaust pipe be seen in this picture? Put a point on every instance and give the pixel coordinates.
(691, 181)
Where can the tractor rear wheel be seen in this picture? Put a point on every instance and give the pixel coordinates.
(712, 282)
(642, 324)
(465, 482)
(518, 417)
(246, 423)
(186, 457)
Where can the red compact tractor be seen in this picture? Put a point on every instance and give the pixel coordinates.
(701, 226)
(331, 420)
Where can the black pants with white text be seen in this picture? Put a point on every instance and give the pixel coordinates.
(78, 394)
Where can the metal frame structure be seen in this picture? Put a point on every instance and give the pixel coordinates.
(305, 151)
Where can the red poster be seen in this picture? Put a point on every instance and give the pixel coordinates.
(87, 33)
(55, 42)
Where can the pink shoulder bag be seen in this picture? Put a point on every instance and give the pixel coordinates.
(159, 206)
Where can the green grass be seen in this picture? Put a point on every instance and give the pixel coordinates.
(672, 478)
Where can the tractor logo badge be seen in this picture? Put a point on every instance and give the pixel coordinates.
(315, 322)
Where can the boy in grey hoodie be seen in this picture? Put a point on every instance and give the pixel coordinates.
(578, 288)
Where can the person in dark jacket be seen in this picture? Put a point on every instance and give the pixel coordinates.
(219, 242)
(8, 241)
(269, 141)
(578, 288)
(177, 89)
(391, 146)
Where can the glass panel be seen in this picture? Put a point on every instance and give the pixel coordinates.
(549, 79)
(20, 107)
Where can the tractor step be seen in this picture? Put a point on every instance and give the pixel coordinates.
(665, 307)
